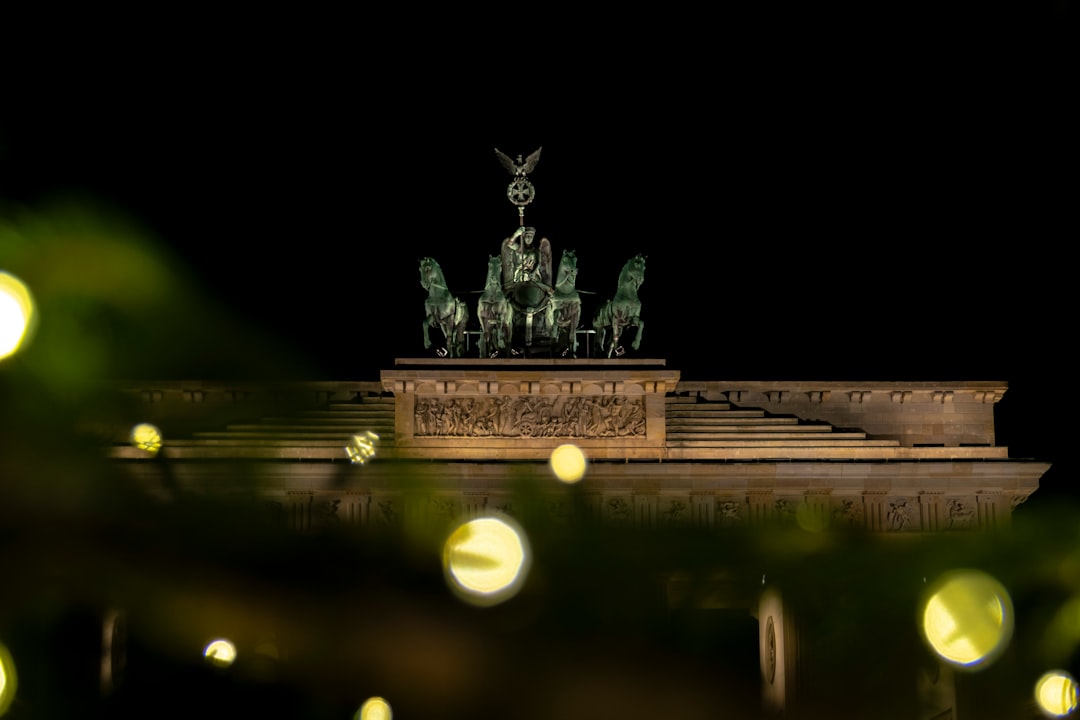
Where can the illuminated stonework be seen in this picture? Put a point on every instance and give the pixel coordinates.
(530, 416)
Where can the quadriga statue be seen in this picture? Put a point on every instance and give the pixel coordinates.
(443, 310)
(624, 310)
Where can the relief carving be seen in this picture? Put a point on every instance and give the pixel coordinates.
(386, 514)
(785, 510)
(849, 512)
(327, 512)
(530, 416)
(730, 514)
(444, 507)
(618, 509)
(899, 516)
(960, 515)
(676, 512)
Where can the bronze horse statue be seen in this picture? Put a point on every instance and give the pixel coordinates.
(493, 311)
(624, 310)
(444, 311)
(566, 304)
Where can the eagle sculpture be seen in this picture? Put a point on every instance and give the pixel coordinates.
(519, 168)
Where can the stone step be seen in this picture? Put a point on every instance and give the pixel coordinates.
(680, 402)
(270, 434)
(282, 429)
(698, 411)
(792, 430)
(346, 422)
(254, 444)
(366, 402)
(824, 441)
(766, 436)
(727, 421)
(354, 412)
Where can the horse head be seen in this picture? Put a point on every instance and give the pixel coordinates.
(430, 273)
(494, 271)
(633, 271)
(567, 268)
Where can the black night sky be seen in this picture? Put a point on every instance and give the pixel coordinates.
(861, 203)
(882, 193)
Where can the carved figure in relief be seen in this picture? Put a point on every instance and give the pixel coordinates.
(328, 511)
(487, 419)
(676, 512)
(443, 310)
(960, 514)
(729, 513)
(387, 515)
(624, 310)
(848, 512)
(443, 507)
(899, 515)
(785, 509)
(618, 509)
(529, 416)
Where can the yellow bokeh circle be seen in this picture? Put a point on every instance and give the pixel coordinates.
(17, 314)
(486, 560)
(374, 709)
(967, 618)
(1055, 694)
(568, 463)
(8, 680)
(220, 652)
(146, 437)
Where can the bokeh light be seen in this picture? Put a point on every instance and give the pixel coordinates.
(146, 437)
(220, 652)
(16, 314)
(361, 448)
(8, 681)
(1055, 694)
(967, 618)
(568, 463)
(811, 518)
(486, 560)
(374, 709)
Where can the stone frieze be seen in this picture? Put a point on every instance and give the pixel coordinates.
(530, 416)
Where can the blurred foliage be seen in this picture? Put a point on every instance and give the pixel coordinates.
(113, 303)
(610, 622)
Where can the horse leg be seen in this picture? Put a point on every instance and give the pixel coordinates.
(427, 338)
(616, 330)
(461, 320)
(637, 323)
(575, 316)
(506, 327)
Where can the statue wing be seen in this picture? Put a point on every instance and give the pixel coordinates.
(545, 259)
(530, 162)
(507, 162)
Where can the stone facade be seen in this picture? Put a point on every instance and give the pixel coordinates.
(467, 439)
